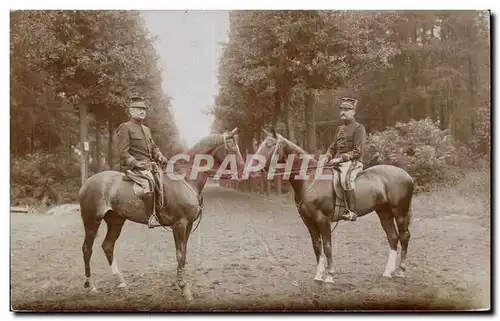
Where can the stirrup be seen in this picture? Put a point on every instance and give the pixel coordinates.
(153, 222)
(349, 216)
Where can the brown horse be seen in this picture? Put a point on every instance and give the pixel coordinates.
(387, 190)
(106, 195)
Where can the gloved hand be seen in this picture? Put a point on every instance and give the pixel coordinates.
(162, 160)
(335, 161)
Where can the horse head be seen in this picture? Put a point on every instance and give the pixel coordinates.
(275, 146)
(219, 147)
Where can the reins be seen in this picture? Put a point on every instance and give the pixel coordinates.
(185, 181)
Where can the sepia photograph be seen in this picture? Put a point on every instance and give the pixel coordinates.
(250, 160)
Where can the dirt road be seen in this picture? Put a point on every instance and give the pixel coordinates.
(255, 253)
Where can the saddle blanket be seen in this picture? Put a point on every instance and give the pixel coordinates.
(146, 181)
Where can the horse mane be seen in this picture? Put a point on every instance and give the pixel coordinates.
(297, 149)
(204, 145)
(207, 143)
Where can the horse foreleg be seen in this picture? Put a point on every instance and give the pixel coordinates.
(324, 228)
(318, 251)
(320, 256)
(387, 221)
(181, 231)
(91, 227)
(115, 224)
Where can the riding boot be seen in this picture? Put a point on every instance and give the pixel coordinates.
(350, 214)
(148, 199)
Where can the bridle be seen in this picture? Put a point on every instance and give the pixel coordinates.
(226, 137)
(279, 143)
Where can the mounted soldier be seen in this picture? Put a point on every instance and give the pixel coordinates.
(346, 151)
(139, 155)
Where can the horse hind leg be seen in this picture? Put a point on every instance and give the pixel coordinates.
(182, 230)
(115, 224)
(403, 221)
(387, 220)
(91, 225)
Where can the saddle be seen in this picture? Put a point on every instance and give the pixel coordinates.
(155, 185)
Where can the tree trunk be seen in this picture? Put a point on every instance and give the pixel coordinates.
(277, 182)
(277, 109)
(84, 143)
(32, 140)
(310, 120)
(247, 138)
(415, 57)
(290, 133)
(98, 147)
(110, 144)
(471, 84)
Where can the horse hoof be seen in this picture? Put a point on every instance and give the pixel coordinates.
(122, 285)
(400, 274)
(329, 280)
(89, 286)
(318, 279)
(387, 275)
(188, 296)
(92, 290)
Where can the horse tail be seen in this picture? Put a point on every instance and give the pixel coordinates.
(409, 217)
(407, 203)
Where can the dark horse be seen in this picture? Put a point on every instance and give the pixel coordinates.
(106, 195)
(385, 189)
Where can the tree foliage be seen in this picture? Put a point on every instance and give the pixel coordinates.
(289, 69)
(61, 60)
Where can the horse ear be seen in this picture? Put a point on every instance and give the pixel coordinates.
(234, 131)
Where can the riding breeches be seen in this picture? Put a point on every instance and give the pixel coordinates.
(348, 172)
(142, 177)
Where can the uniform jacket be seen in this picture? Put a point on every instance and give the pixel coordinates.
(349, 142)
(135, 144)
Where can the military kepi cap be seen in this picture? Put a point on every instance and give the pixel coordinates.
(137, 102)
(348, 103)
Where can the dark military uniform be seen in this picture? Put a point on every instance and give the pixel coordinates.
(135, 144)
(348, 145)
(349, 142)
